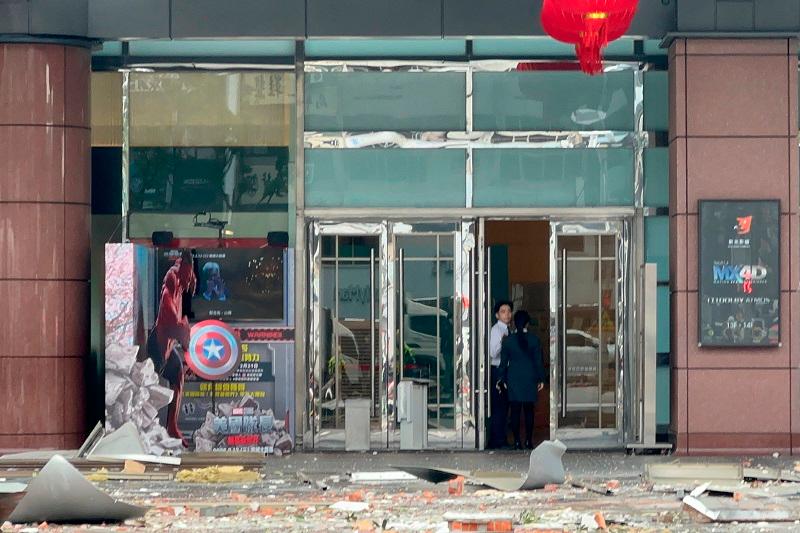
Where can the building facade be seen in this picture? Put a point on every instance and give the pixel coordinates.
(422, 161)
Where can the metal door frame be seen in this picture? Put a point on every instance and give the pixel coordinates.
(316, 230)
(386, 230)
(621, 228)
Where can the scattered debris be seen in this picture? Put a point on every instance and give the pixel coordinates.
(380, 477)
(545, 467)
(690, 474)
(350, 506)
(61, 494)
(133, 467)
(479, 521)
(217, 474)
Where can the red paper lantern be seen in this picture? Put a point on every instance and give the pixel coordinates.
(588, 24)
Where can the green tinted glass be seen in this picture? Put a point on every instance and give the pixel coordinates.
(385, 178)
(662, 395)
(663, 319)
(656, 101)
(190, 180)
(656, 177)
(553, 101)
(553, 177)
(380, 101)
(656, 244)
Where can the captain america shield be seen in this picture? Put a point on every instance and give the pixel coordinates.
(213, 350)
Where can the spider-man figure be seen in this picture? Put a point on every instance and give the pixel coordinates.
(171, 332)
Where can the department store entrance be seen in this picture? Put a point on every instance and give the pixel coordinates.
(391, 301)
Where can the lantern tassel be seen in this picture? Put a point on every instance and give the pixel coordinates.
(594, 38)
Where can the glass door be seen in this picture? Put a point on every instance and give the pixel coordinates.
(345, 353)
(587, 291)
(390, 301)
(433, 346)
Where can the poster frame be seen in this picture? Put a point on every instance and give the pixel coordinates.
(700, 272)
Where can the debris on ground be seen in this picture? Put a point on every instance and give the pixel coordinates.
(60, 493)
(545, 467)
(217, 474)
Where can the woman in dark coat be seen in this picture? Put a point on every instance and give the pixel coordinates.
(523, 375)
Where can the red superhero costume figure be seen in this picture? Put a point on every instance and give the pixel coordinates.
(171, 330)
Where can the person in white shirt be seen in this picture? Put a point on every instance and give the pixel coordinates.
(499, 416)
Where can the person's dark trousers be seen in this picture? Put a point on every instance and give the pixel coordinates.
(527, 409)
(499, 414)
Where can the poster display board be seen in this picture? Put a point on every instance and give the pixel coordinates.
(199, 355)
(739, 273)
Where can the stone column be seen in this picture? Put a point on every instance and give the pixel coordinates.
(44, 243)
(733, 135)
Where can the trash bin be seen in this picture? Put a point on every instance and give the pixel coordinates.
(356, 424)
(412, 414)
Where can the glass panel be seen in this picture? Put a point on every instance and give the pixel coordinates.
(190, 180)
(656, 177)
(446, 244)
(329, 246)
(357, 246)
(662, 395)
(239, 225)
(380, 101)
(656, 244)
(346, 332)
(656, 100)
(663, 319)
(608, 336)
(427, 322)
(106, 108)
(578, 246)
(581, 345)
(211, 109)
(385, 47)
(589, 347)
(541, 47)
(214, 142)
(608, 246)
(385, 178)
(417, 245)
(553, 101)
(553, 177)
(229, 48)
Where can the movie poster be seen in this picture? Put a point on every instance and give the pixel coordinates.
(233, 283)
(198, 353)
(245, 411)
(739, 273)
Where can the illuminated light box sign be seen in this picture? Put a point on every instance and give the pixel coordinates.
(739, 273)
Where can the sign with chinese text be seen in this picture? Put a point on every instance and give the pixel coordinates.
(739, 273)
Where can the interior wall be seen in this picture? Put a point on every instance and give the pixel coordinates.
(528, 246)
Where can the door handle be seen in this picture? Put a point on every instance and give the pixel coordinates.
(372, 327)
(563, 392)
(487, 359)
(401, 315)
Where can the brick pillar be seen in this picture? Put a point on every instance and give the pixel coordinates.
(733, 135)
(44, 243)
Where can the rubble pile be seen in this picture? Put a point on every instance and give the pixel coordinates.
(243, 417)
(134, 393)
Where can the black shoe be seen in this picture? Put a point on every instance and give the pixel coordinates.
(517, 446)
(528, 445)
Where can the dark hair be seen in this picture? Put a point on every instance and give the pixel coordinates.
(501, 303)
(521, 319)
